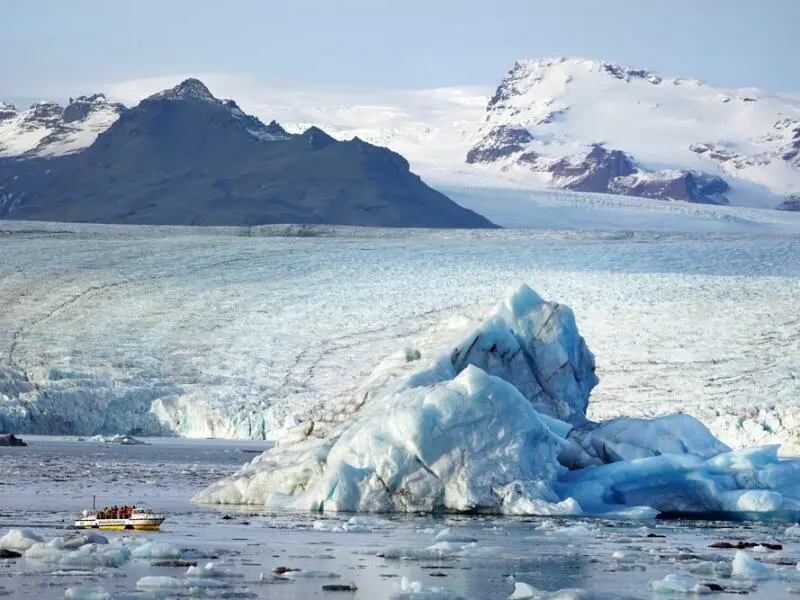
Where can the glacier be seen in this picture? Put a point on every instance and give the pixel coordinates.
(490, 417)
(239, 333)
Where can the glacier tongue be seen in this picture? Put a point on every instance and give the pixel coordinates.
(492, 418)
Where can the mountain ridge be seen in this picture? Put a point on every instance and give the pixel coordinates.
(184, 157)
(682, 137)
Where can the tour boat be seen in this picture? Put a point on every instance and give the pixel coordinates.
(120, 518)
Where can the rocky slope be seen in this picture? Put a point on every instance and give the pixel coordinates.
(183, 157)
(599, 127)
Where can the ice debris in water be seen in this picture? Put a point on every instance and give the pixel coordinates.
(163, 583)
(356, 524)
(19, 539)
(414, 590)
(446, 535)
(65, 551)
(156, 550)
(303, 574)
(492, 418)
(792, 531)
(679, 584)
(748, 567)
(524, 591)
(124, 440)
(212, 571)
(87, 593)
(86, 549)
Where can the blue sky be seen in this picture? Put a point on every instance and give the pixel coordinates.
(49, 46)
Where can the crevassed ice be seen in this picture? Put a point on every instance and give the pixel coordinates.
(492, 418)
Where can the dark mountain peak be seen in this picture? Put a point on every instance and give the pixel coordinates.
(317, 138)
(189, 89)
(44, 113)
(791, 203)
(274, 128)
(7, 111)
(81, 107)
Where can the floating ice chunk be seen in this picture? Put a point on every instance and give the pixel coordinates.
(568, 531)
(357, 524)
(679, 584)
(123, 440)
(153, 583)
(470, 443)
(414, 590)
(690, 483)
(745, 565)
(77, 540)
(87, 593)
(488, 419)
(447, 535)
(792, 531)
(303, 574)
(19, 539)
(628, 438)
(156, 550)
(446, 432)
(212, 571)
(88, 555)
(633, 513)
(523, 591)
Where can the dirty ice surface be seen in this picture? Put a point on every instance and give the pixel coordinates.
(248, 554)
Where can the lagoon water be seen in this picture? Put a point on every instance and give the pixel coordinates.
(47, 482)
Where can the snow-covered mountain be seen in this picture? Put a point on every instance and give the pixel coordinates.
(565, 123)
(48, 129)
(599, 127)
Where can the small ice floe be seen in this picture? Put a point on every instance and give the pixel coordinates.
(78, 540)
(63, 552)
(303, 574)
(155, 584)
(87, 593)
(123, 440)
(792, 532)
(19, 540)
(748, 567)
(554, 529)
(212, 571)
(152, 550)
(357, 524)
(448, 535)
(679, 584)
(414, 590)
(524, 591)
(440, 551)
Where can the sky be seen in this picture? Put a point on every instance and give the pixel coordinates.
(55, 47)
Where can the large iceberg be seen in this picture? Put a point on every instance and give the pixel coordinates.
(490, 416)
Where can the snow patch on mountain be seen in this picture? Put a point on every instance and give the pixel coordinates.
(48, 129)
